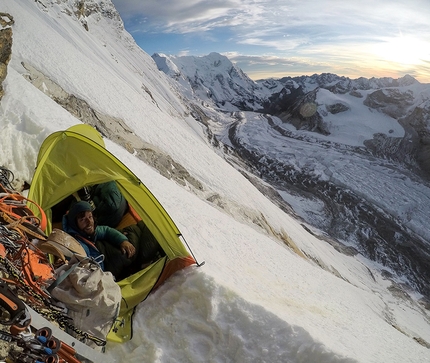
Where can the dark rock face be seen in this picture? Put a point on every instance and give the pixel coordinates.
(417, 124)
(6, 21)
(337, 108)
(390, 101)
(305, 116)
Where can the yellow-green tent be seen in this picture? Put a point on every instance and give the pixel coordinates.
(71, 159)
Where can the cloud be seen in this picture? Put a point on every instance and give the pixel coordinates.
(318, 32)
(275, 18)
(178, 16)
(269, 66)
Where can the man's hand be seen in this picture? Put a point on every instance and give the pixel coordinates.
(127, 249)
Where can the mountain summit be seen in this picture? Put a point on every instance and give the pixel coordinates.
(213, 77)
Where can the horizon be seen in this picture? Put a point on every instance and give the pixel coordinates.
(287, 38)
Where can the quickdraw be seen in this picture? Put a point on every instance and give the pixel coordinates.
(21, 224)
(39, 346)
(35, 291)
(17, 315)
(6, 177)
(23, 266)
(14, 208)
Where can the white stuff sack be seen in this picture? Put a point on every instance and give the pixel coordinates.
(92, 297)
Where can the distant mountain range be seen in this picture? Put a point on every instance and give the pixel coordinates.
(351, 157)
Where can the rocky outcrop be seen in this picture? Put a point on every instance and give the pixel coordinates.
(6, 21)
(392, 102)
(413, 149)
(336, 108)
(83, 9)
(418, 124)
(305, 116)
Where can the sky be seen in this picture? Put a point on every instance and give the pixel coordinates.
(276, 38)
(255, 299)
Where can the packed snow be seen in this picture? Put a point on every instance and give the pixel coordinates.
(255, 299)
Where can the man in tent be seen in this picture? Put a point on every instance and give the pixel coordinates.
(96, 240)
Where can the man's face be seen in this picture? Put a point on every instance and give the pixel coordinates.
(85, 222)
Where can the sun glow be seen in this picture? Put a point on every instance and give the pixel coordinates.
(404, 50)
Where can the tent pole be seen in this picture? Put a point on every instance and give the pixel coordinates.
(192, 254)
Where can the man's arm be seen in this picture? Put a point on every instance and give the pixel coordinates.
(116, 238)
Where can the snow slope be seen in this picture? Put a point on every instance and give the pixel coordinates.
(255, 299)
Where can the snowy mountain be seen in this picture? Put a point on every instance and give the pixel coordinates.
(350, 156)
(281, 283)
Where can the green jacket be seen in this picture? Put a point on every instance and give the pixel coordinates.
(94, 245)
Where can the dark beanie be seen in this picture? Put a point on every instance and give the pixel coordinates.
(77, 208)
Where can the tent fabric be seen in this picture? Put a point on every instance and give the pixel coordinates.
(71, 159)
